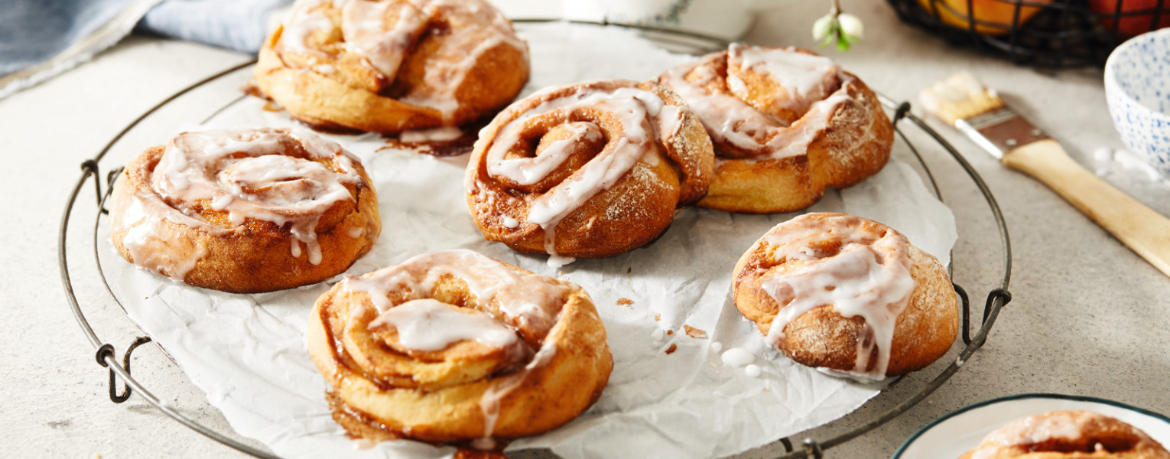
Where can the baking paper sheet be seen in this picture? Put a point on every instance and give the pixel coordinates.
(247, 352)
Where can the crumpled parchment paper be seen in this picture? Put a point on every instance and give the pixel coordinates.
(247, 352)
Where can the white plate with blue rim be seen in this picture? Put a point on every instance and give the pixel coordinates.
(961, 430)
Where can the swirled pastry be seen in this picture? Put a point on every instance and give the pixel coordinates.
(786, 124)
(1068, 435)
(589, 170)
(394, 65)
(455, 347)
(849, 296)
(245, 210)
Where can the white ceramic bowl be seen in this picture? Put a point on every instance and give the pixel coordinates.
(1137, 86)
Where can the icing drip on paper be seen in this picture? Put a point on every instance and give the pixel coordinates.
(642, 117)
(810, 81)
(869, 278)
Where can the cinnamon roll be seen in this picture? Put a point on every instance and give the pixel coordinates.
(245, 210)
(394, 65)
(786, 125)
(848, 296)
(456, 347)
(1068, 435)
(588, 170)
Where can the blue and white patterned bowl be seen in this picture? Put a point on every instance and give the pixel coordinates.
(1137, 86)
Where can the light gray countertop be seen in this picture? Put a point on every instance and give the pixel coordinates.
(1088, 316)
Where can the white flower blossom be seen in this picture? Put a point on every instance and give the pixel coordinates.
(823, 27)
(850, 24)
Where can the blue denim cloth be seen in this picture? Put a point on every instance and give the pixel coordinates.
(232, 24)
(33, 31)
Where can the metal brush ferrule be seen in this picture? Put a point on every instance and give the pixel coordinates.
(1000, 131)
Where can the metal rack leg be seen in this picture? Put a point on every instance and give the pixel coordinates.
(107, 350)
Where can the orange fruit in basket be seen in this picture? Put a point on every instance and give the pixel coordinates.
(992, 17)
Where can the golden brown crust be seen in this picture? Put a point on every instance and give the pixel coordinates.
(631, 213)
(254, 256)
(354, 95)
(823, 338)
(853, 145)
(440, 397)
(1068, 435)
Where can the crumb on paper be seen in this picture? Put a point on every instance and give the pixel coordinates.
(624, 301)
(673, 347)
(670, 332)
(695, 332)
(657, 317)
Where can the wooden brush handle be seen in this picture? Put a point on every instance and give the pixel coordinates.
(1142, 229)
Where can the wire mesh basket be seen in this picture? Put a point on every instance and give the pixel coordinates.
(1041, 33)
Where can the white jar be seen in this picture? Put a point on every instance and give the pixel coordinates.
(727, 19)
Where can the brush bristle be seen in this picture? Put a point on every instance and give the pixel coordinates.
(961, 96)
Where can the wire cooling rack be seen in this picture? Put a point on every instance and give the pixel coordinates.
(974, 332)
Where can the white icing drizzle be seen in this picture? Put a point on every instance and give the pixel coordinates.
(142, 219)
(489, 403)
(812, 87)
(382, 33)
(257, 174)
(247, 173)
(806, 78)
(869, 278)
(307, 16)
(476, 27)
(528, 171)
(430, 325)
(641, 121)
(366, 32)
(528, 302)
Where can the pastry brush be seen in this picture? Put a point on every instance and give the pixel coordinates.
(963, 102)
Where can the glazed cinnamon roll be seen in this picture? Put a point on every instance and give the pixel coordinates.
(589, 170)
(848, 296)
(245, 210)
(1068, 435)
(393, 65)
(455, 347)
(786, 125)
